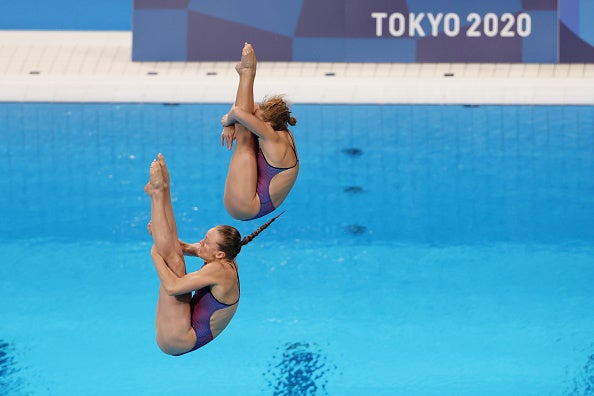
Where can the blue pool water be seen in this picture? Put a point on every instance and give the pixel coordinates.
(425, 250)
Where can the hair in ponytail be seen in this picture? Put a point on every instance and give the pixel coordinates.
(230, 241)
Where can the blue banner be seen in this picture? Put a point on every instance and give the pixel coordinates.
(519, 31)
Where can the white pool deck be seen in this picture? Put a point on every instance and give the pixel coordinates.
(83, 66)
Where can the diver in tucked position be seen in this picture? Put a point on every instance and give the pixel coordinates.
(264, 164)
(186, 322)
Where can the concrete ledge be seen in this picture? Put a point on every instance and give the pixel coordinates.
(60, 66)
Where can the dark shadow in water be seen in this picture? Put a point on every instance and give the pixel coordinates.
(301, 369)
(584, 383)
(356, 229)
(353, 190)
(353, 152)
(10, 384)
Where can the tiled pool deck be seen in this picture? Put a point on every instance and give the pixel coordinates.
(83, 66)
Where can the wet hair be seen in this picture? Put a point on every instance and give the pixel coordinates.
(276, 111)
(230, 241)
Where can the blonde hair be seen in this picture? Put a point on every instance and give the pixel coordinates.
(276, 111)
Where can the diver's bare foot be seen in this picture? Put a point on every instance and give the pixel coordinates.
(247, 64)
(156, 182)
(164, 170)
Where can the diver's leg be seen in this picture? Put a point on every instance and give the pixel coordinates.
(174, 332)
(173, 320)
(163, 226)
(241, 199)
(246, 68)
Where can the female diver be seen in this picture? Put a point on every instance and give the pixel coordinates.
(264, 165)
(186, 322)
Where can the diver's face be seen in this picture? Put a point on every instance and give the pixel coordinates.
(209, 247)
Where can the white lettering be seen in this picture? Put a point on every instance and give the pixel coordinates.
(379, 17)
(397, 17)
(508, 25)
(435, 20)
(414, 24)
(451, 25)
(524, 26)
(489, 25)
(475, 22)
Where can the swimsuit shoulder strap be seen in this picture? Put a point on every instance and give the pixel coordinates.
(293, 146)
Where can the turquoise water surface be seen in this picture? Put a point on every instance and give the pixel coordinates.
(425, 250)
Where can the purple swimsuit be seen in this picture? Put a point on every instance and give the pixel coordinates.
(265, 174)
(203, 305)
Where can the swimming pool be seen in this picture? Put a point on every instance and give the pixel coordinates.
(424, 250)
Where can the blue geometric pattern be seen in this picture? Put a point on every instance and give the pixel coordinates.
(576, 31)
(531, 31)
